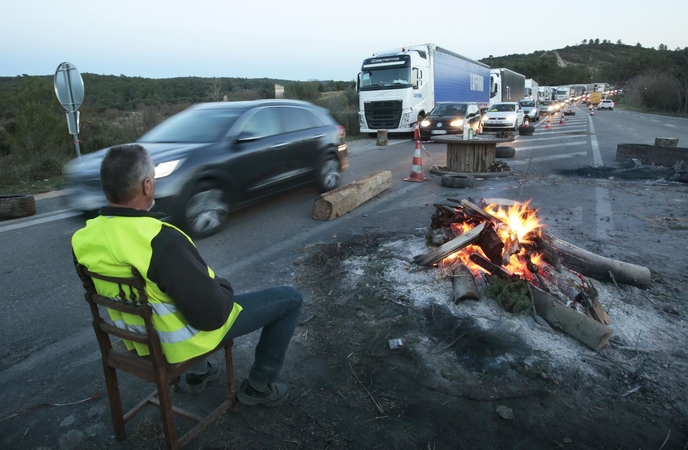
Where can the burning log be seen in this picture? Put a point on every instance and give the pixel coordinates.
(597, 266)
(582, 328)
(494, 269)
(450, 247)
(463, 284)
(573, 288)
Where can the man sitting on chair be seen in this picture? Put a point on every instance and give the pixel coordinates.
(194, 310)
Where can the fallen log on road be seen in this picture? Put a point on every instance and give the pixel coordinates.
(337, 202)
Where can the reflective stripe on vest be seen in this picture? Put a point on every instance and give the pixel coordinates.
(168, 337)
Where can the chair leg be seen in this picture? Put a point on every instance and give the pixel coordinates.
(115, 403)
(229, 363)
(166, 413)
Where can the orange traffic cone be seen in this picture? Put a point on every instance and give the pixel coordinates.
(526, 122)
(561, 121)
(416, 166)
(548, 124)
(416, 133)
(592, 111)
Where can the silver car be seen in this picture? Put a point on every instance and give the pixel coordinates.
(530, 109)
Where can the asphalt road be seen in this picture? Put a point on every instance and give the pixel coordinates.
(50, 354)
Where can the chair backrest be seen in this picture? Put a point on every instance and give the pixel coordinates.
(131, 299)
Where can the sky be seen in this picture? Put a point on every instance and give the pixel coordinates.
(305, 39)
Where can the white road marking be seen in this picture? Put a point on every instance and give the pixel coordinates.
(43, 218)
(670, 125)
(603, 209)
(596, 156)
(537, 138)
(535, 147)
(547, 158)
(562, 130)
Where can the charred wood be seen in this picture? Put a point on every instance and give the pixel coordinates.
(494, 269)
(582, 328)
(463, 283)
(597, 266)
(450, 247)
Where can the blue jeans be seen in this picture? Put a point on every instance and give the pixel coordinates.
(276, 311)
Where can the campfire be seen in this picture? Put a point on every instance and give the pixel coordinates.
(502, 247)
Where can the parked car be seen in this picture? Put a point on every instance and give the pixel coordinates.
(214, 158)
(449, 118)
(530, 109)
(547, 107)
(606, 104)
(503, 116)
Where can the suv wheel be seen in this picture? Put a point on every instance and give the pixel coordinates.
(206, 210)
(329, 173)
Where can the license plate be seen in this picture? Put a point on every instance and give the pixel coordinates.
(438, 132)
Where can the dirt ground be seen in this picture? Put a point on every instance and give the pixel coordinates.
(465, 376)
(383, 359)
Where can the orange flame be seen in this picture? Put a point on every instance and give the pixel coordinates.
(520, 220)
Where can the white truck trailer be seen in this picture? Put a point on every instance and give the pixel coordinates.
(506, 86)
(399, 87)
(531, 90)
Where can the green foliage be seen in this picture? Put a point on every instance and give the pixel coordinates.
(308, 91)
(513, 295)
(343, 107)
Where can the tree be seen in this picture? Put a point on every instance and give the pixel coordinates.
(639, 45)
(618, 42)
(584, 42)
(307, 91)
(597, 41)
(591, 42)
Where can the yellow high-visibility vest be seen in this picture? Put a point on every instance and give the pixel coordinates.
(112, 245)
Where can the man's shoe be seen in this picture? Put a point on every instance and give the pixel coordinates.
(196, 383)
(273, 395)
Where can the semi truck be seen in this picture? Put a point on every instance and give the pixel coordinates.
(397, 88)
(531, 90)
(547, 92)
(563, 93)
(506, 86)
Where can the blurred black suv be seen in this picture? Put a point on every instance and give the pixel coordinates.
(214, 158)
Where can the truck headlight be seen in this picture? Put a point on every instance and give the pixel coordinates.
(405, 117)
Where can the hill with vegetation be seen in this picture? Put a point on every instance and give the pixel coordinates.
(592, 61)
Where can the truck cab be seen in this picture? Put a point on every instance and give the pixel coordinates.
(395, 90)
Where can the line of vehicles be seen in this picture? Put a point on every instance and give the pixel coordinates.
(215, 158)
(445, 93)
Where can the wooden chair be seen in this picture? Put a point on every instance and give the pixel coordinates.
(153, 368)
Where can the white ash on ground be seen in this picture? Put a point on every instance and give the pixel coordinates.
(633, 324)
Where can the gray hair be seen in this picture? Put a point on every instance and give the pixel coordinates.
(122, 171)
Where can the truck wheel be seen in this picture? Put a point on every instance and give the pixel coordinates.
(458, 180)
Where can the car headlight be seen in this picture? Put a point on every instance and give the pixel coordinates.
(425, 123)
(511, 117)
(164, 169)
(457, 123)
